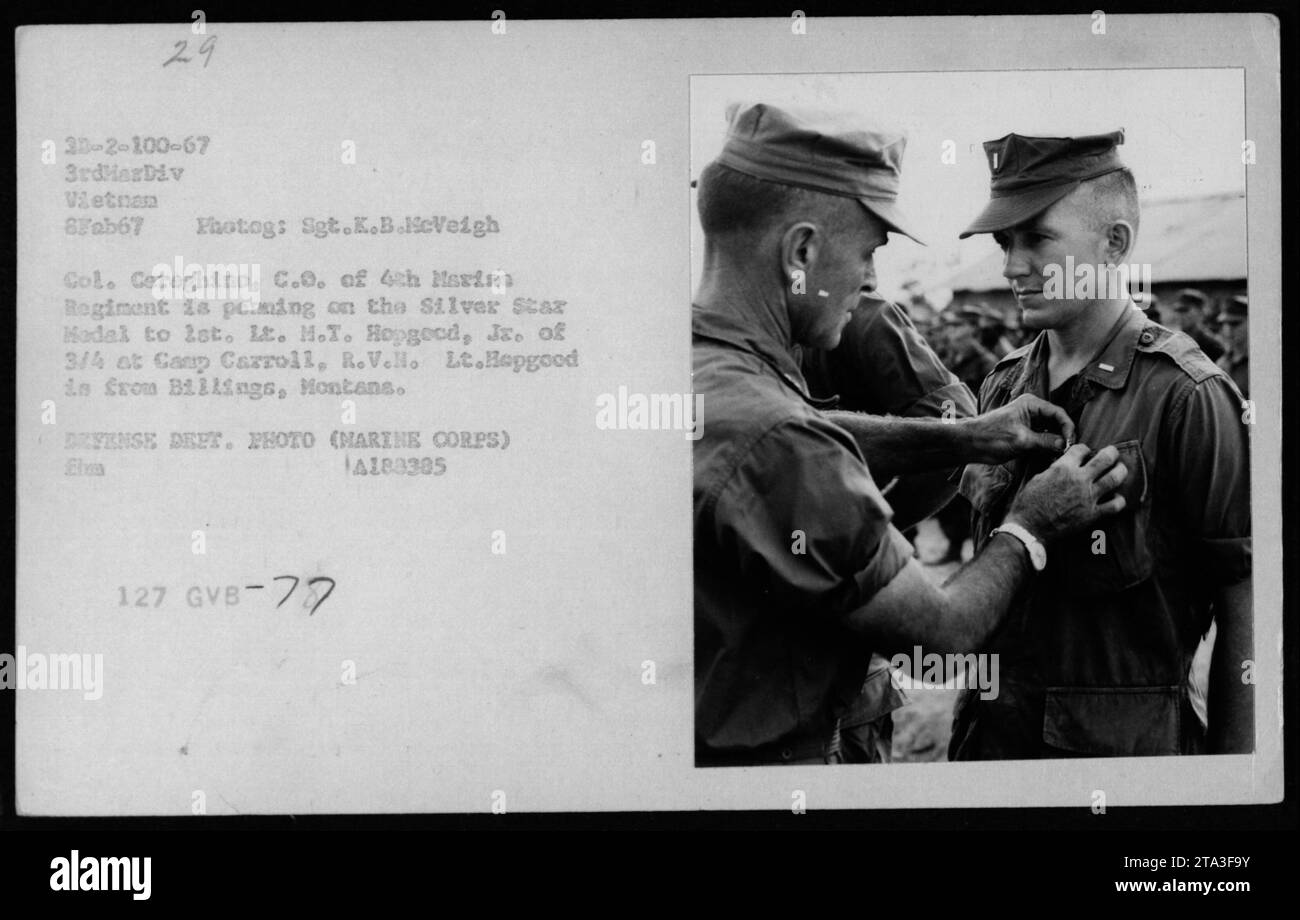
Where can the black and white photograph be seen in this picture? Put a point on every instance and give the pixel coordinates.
(986, 496)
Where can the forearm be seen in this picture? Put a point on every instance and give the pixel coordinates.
(979, 594)
(958, 617)
(897, 445)
(1231, 702)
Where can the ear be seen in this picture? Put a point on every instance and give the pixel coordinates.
(799, 246)
(1120, 239)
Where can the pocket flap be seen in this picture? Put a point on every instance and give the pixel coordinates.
(1112, 721)
(1134, 487)
(1124, 558)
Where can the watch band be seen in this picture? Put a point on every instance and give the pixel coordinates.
(1037, 554)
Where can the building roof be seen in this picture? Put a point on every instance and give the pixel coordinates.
(1184, 239)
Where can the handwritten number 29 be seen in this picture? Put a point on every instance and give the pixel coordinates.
(209, 45)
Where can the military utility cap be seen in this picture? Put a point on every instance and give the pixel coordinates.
(834, 153)
(1190, 297)
(1030, 174)
(1233, 311)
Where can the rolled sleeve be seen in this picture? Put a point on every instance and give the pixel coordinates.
(1211, 450)
(806, 523)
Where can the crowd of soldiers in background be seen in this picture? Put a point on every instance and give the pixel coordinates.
(970, 338)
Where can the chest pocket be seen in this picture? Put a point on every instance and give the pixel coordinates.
(1115, 553)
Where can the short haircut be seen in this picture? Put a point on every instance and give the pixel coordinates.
(1110, 198)
(731, 202)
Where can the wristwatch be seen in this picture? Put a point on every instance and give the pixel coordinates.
(1037, 554)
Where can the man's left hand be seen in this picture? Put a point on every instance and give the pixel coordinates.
(1024, 424)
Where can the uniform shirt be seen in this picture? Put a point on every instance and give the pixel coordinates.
(1095, 651)
(884, 366)
(791, 534)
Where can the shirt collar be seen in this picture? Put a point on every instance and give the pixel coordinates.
(721, 327)
(1111, 367)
